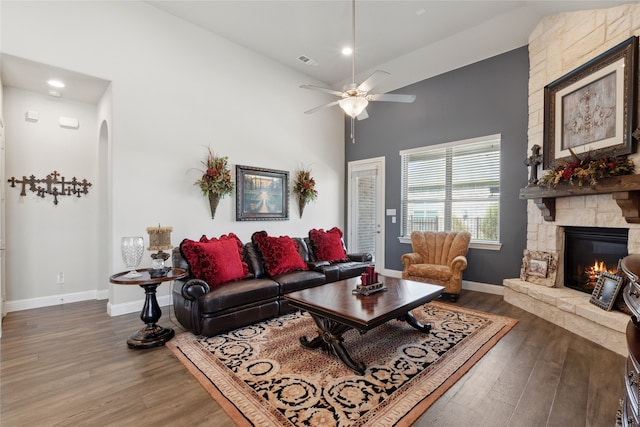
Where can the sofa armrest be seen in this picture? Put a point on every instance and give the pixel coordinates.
(194, 289)
(458, 264)
(411, 258)
(361, 257)
(186, 305)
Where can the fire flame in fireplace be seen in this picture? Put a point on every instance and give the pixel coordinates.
(598, 267)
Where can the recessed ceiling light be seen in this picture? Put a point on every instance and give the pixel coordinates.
(347, 50)
(56, 83)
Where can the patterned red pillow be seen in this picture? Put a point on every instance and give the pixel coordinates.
(214, 260)
(328, 245)
(280, 254)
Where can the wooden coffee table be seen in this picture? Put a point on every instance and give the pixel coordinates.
(335, 309)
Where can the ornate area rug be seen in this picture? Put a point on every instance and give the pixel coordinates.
(262, 376)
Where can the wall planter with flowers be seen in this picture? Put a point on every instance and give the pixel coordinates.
(304, 188)
(215, 182)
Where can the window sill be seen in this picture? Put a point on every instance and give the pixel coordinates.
(475, 244)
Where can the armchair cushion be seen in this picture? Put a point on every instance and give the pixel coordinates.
(434, 271)
(215, 260)
(328, 245)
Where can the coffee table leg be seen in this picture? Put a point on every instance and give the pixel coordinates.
(330, 338)
(410, 319)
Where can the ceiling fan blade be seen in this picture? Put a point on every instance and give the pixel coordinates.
(373, 80)
(322, 89)
(363, 115)
(322, 107)
(391, 97)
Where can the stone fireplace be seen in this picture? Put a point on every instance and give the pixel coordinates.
(558, 45)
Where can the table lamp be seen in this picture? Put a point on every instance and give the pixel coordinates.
(159, 240)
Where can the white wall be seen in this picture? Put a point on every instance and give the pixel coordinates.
(44, 239)
(177, 89)
(3, 292)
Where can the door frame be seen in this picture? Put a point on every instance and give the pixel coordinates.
(379, 164)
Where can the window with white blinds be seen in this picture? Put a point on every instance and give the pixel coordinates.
(453, 187)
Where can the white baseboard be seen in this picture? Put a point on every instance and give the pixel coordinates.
(26, 304)
(483, 287)
(60, 299)
(472, 286)
(391, 273)
(134, 306)
(165, 300)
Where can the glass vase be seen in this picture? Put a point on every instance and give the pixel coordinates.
(132, 251)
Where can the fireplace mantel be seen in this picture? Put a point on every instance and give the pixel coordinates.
(624, 189)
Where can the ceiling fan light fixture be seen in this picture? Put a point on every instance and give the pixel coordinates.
(353, 105)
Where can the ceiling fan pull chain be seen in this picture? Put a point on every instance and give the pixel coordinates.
(353, 130)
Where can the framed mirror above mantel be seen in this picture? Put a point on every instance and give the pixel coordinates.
(625, 190)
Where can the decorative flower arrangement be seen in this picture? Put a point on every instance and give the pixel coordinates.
(587, 170)
(216, 178)
(304, 186)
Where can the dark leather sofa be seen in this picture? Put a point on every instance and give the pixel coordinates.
(209, 311)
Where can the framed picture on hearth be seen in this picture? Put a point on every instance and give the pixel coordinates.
(539, 267)
(593, 109)
(261, 194)
(606, 290)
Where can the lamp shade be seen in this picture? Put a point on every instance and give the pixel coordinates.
(159, 238)
(353, 105)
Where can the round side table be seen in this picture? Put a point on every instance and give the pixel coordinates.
(152, 335)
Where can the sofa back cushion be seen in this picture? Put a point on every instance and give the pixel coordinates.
(215, 260)
(328, 245)
(253, 258)
(177, 260)
(280, 254)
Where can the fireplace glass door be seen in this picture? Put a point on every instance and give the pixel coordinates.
(589, 251)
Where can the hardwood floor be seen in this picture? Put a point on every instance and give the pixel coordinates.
(69, 366)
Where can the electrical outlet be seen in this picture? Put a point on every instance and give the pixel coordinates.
(60, 278)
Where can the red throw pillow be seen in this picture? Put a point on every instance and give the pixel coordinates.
(214, 260)
(280, 254)
(328, 245)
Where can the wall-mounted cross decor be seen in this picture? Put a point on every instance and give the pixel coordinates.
(52, 185)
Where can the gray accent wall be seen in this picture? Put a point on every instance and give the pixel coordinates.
(484, 98)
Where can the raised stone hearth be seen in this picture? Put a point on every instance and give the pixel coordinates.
(571, 310)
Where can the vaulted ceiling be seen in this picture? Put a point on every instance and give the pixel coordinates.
(398, 36)
(385, 29)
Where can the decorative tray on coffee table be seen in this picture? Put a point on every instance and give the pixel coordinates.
(369, 289)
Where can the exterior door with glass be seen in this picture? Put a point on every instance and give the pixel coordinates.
(365, 208)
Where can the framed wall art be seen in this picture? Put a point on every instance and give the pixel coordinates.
(594, 107)
(606, 290)
(539, 267)
(261, 194)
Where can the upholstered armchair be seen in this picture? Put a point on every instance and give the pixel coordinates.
(438, 258)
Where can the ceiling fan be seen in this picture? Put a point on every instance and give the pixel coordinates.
(355, 98)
